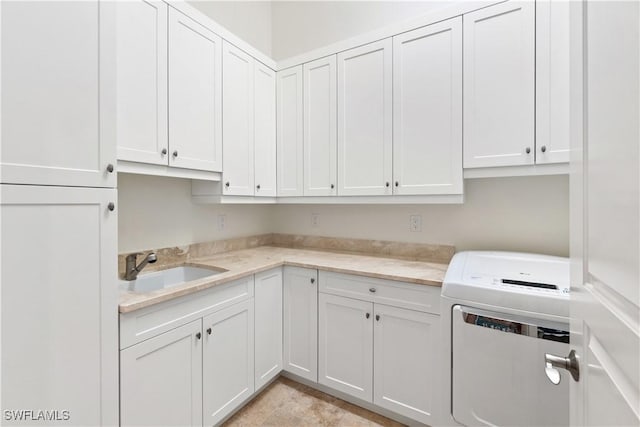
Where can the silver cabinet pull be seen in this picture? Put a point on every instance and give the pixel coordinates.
(164, 152)
(111, 206)
(333, 186)
(543, 148)
(527, 150)
(377, 317)
(553, 363)
(175, 153)
(313, 280)
(110, 168)
(198, 335)
(226, 184)
(258, 187)
(209, 331)
(367, 315)
(386, 184)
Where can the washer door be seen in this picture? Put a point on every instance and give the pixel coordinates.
(498, 370)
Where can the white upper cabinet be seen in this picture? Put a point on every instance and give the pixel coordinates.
(320, 131)
(427, 110)
(195, 95)
(365, 120)
(142, 81)
(238, 175)
(265, 130)
(499, 85)
(552, 81)
(289, 130)
(57, 93)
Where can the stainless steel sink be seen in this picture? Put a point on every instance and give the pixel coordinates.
(166, 278)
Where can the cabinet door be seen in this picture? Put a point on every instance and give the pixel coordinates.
(59, 323)
(301, 322)
(405, 353)
(552, 81)
(320, 131)
(57, 93)
(238, 122)
(227, 360)
(427, 114)
(142, 81)
(345, 344)
(161, 379)
(289, 132)
(499, 85)
(365, 120)
(268, 326)
(195, 95)
(265, 130)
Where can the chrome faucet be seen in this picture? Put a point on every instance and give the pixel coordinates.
(132, 270)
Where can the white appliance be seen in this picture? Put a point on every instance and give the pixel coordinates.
(502, 313)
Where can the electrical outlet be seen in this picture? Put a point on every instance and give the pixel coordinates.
(415, 223)
(315, 219)
(222, 222)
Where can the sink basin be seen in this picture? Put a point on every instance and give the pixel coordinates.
(166, 278)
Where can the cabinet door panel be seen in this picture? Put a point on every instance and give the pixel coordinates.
(405, 362)
(238, 122)
(499, 85)
(142, 81)
(289, 132)
(268, 327)
(265, 130)
(58, 97)
(365, 120)
(228, 357)
(161, 379)
(55, 355)
(345, 343)
(427, 82)
(195, 95)
(301, 322)
(320, 131)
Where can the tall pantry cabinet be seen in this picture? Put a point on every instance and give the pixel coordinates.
(57, 204)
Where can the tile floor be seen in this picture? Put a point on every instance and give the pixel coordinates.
(287, 403)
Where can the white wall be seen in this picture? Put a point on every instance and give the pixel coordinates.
(520, 214)
(249, 20)
(158, 212)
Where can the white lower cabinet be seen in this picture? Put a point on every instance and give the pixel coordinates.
(301, 322)
(227, 366)
(161, 379)
(268, 326)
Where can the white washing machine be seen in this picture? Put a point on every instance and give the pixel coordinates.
(502, 312)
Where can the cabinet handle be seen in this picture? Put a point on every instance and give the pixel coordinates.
(226, 184)
(543, 148)
(397, 184)
(164, 152)
(198, 335)
(377, 317)
(528, 150)
(111, 206)
(367, 315)
(110, 168)
(175, 153)
(386, 184)
(209, 331)
(372, 290)
(313, 280)
(333, 186)
(258, 187)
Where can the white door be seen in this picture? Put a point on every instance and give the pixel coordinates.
(552, 81)
(365, 120)
(605, 191)
(268, 326)
(301, 322)
(264, 130)
(161, 379)
(195, 95)
(499, 85)
(289, 131)
(227, 360)
(59, 301)
(238, 175)
(427, 110)
(142, 81)
(406, 345)
(58, 98)
(345, 345)
(320, 127)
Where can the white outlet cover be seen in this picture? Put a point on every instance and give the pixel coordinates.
(315, 219)
(222, 222)
(415, 223)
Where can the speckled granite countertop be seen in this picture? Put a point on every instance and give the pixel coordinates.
(241, 263)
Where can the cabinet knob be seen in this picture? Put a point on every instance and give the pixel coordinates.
(313, 280)
(258, 187)
(111, 206)
(333, 186)
(377, 317)
(386, 184)
(372, 290)
(367, 315)
(397, 184)
(110, 168)
(164, 152)
(175, 153)
(543, 148)
(226, 184)
(209, 331)
(527, 150)
(198, 335)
